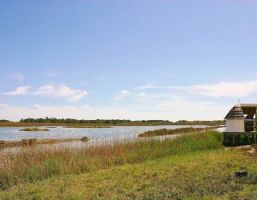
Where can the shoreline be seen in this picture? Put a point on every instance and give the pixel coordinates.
(56, 125)
(32, 142)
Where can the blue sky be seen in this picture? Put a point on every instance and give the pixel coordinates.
(149, 59)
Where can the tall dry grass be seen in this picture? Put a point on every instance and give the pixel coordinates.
(35, 164)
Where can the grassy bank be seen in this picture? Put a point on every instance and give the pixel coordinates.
(162, 132)
(196, 176)
(195, 170)
(32, 166)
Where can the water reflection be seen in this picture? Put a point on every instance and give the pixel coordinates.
(98, 136)
(13, 133)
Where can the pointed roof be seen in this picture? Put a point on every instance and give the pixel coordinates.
(235, 113)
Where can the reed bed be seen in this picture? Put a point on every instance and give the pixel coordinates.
(33, 165)
(33, 142)
(164, 131)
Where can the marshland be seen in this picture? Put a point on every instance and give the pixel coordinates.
(128, 100)
(157, 167)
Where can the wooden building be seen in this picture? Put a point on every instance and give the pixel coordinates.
(241, 124)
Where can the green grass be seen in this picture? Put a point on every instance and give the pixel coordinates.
(193, 166)
(198, 175)
(34, 165)
(164, 131)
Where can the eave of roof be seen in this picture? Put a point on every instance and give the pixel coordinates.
(235, 113)
(248, 105)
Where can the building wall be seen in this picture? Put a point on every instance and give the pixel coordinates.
(235, 125)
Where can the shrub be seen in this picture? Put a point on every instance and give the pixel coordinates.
(239, 140)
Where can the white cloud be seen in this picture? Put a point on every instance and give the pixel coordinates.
(53, 91)
(37, 111)
(227, 89)
(61, 91)
(22, 90)
(233, 89)
(123, 94)
(163, 102)
(3, 106)
(142, 94)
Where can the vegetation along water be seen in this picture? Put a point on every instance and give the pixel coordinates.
(194, 166)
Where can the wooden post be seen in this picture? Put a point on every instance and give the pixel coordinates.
(254, 121)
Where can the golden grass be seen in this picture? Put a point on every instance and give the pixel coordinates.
(39, 164)
(32, 141)
(201, 175)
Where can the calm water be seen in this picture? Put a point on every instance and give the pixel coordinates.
(14, 133)
(97, 136)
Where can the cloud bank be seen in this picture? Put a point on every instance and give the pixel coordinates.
(123, 94)
(145, 102)
(22, 90)
(232, 89)
(173, 111)
(227, 89)
(52, 91)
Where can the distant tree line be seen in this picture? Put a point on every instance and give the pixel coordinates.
(94, 122)
(4, 120)
(48, 120)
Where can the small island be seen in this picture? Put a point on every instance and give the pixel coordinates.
(34, 141)
(34, 129)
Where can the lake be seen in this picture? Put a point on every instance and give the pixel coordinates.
(97, 136)
(14, 133)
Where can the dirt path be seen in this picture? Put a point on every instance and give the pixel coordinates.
(247, 148)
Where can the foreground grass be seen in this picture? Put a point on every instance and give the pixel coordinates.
(198, 175)
(36, 165)
(191, 167)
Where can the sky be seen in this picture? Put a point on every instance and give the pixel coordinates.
(147, 59)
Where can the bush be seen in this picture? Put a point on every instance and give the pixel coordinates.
(239, 140)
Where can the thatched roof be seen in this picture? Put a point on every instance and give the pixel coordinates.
(235, 113)
(249, 109)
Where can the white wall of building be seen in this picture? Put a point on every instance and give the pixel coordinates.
(235, 125)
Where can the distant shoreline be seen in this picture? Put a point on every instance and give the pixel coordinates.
(71, 123)
(33, 141)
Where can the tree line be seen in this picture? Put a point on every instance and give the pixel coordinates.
(48, 120)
